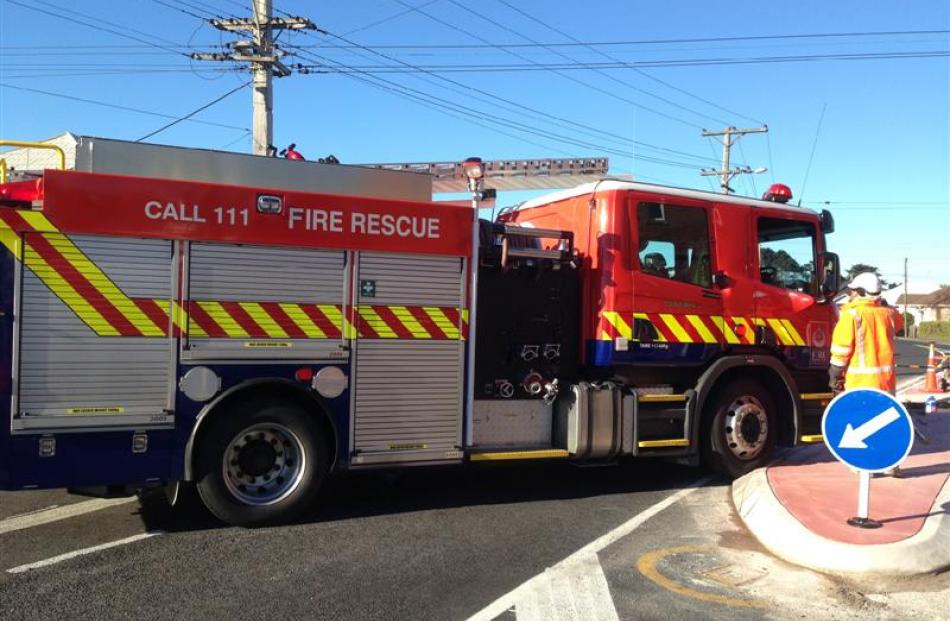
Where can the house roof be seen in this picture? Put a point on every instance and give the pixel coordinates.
(940, 297)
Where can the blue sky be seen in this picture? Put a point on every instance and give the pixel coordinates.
(882, 158)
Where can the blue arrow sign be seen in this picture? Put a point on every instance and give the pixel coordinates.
(868, 429)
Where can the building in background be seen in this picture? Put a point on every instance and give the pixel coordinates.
(932, 306)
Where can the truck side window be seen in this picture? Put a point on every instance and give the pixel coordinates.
(787, 254)
(674, 242)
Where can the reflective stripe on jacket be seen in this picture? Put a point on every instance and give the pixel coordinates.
(863, 341)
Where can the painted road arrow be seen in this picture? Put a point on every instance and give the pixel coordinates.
(854, 437)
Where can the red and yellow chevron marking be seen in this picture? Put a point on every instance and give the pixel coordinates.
(108, 311)
(705, 329)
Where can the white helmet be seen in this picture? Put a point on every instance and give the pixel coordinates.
(869, 281)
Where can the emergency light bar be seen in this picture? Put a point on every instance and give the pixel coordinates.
(509, 174)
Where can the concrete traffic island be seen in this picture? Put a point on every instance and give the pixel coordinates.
(798, 509)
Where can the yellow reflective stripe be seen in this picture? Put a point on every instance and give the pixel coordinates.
(440, 319)
(302, 321)
(621, 326)
(221, 317)
(704, 332)
(793, 332)
(375, 322)
(681, 335)
(333, 314)
(749, 332)
(263, 319)
(65, 292)
(780, 332)
(725, 329)
(180, 317)
(10, 239)
(103, 284)
(604, 336)
(38, 221)
(659, 335)
(412, 324)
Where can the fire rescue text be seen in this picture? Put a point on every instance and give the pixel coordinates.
(387, 225)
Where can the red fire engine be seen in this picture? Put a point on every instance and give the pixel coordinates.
(162, 321)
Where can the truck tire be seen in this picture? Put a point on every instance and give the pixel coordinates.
(740, 429)
(261, 463)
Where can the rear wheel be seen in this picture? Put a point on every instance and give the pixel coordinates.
(741, 428)
(262, 463)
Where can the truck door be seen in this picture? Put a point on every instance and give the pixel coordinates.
(786, 311)
(677, 313)
(409, 358)
(94, 350)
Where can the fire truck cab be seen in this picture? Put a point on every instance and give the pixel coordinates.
(711, 312)
(174, 316)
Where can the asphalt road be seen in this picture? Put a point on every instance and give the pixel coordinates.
(910, 352)
(643, 540)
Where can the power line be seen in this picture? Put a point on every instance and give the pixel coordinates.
(516, 107)
(115, 106)
(593, 87)
(178, 8)
(860, 202)
(450, 46)
(453, 46)
(768, 144)
(583, 66)
(639, 71)
(6, 48)
(467, 111)
(387, 19)
(74, 20)
(194, 112)
(814, 145)
(110, 72)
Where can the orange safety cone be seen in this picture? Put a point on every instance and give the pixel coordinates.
(932, 371)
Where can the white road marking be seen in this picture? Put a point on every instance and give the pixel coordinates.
(571, 592)
(38, 518)
(556, 594)
(81, 552)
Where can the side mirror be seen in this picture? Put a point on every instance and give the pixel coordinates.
(831, 275)
(721, 280)
(827, 222)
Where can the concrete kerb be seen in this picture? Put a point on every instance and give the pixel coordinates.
(787, 538)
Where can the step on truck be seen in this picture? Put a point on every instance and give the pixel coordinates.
(173, 316)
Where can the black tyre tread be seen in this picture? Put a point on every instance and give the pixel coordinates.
(210, 483)
(714, 453)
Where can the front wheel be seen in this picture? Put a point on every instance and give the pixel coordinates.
(262, 463)
(740, 429)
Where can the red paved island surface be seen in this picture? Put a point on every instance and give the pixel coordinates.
(822, 493)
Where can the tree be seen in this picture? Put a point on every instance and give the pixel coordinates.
(859, 268)
(908, 324)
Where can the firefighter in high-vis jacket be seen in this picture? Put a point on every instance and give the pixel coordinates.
(862, 346)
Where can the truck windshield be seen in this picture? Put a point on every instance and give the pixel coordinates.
(787, 254)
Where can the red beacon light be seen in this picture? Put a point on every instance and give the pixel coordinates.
(778, 193)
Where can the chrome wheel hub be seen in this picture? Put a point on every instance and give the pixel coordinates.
(263, 464)
(746, 427)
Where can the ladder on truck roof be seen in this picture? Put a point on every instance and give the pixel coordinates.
(536, 174)
(416, 181)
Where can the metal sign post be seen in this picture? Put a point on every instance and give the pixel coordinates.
(861, 520)
(870, 431)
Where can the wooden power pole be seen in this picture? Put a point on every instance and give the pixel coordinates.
(263, 57)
